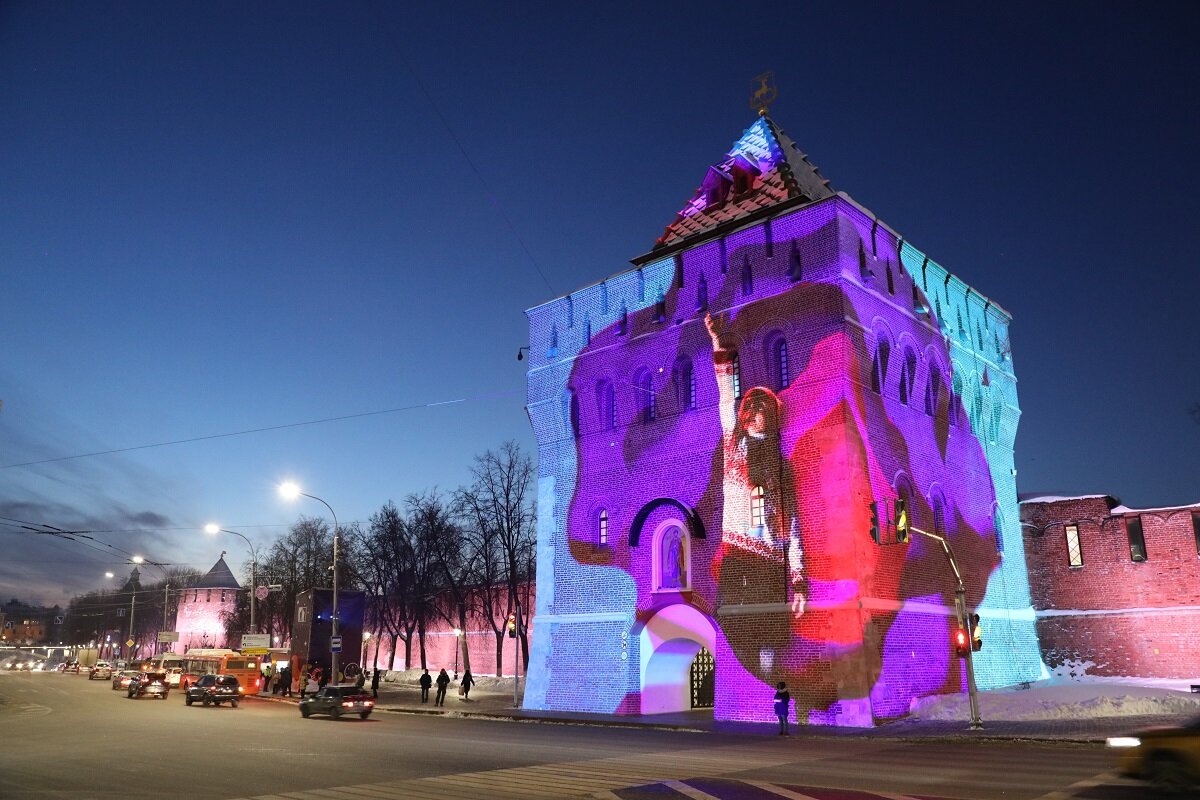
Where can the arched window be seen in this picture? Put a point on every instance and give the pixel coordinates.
(602, 528)
(891, 281)
(684, 380)
(606, 405)
(747, 278)
(644, 386)
(702, 294)
(939, 516)
(880, 365)
(795, 268)
(623, 321)
(777, 358)
(955, 399)
(908, 375)
(552, 350)
(758, 507)
(737, 377)
(997, 417)
(933, 390)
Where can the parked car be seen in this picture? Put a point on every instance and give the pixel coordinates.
(150, 684)
(122, 679)
(173, 676)
(214, 690)
(102, 670)
(338, 700)
(1168, 757)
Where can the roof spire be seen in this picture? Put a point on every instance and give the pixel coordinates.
(764, 92)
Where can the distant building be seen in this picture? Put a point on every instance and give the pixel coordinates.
(704, 505)
(1116, 590)
(204, 608)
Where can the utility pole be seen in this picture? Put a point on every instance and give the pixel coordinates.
(132, 605)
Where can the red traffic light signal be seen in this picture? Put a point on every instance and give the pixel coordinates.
(962, 642)
(512, 626)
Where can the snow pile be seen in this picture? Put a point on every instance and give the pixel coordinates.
(1064, 699)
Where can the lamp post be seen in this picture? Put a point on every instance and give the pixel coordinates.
(457, 646)
(290, 491)
(213, 529)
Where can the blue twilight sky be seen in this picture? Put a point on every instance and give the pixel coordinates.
(218, 217)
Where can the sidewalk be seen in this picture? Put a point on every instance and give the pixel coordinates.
(491, 704)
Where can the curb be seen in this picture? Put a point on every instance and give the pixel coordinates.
(1083, 740)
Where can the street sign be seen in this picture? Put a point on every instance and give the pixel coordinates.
(129, 642)
(335, 644)
(165, 637)
(58, 620)
(262, 592)
(255, 651)
(259, 640)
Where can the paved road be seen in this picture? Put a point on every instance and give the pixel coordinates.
(62, 736)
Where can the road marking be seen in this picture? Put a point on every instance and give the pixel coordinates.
(594, 777)
(779, 790)
(690, 791)
(1086, 783)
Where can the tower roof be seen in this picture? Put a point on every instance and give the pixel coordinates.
(219, 577)
(763, 168)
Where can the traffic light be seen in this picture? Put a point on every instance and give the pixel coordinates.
(976, 634)
(901, 520)
(512, 626)
(962, 642)
(875, 522)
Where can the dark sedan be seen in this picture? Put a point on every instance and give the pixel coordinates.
(338, 700)
(149, 684)
(214, 690)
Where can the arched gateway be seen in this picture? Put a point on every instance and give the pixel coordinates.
(673, 641)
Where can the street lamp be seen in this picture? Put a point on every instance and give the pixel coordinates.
(290, 491)
(457, 646)
(213, 529)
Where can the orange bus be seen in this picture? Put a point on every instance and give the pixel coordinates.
(206, 661)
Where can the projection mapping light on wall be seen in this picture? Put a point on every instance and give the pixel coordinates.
(749, 442)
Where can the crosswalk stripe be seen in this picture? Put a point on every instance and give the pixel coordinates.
(689, 791)
(779, 790)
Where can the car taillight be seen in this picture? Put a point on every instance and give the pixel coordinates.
(347, 704)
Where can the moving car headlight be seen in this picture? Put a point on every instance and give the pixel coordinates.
(1123, 741)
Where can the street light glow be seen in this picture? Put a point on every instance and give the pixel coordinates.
(212, 528)
(108, 574)
(289, 490)
(137, 559)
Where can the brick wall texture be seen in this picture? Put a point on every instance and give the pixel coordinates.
(1112, 615)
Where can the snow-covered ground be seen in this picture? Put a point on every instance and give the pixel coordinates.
(1062, 697)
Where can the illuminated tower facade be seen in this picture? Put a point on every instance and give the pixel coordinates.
(204, 608)
(712, 427)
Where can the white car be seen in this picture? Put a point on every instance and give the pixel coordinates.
(173, 676)
(102, 670)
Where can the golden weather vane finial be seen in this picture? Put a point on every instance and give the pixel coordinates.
(764, 92)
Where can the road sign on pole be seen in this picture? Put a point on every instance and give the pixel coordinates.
(335, 644)
(261, 592)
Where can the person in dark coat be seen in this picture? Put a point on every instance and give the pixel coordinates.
(426, 682)
(361, 680)
(284, 684)
(443, 681)
(375, 682)
(467, 683)
(783, 703)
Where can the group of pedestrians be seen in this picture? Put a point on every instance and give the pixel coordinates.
(443, 683)
(277, 681)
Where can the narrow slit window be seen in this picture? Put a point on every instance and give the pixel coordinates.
(737, 377)
(602, 529)
(1137, 541)
(1196, 529)
(747, 278)
(783, 376)
(1074, 551)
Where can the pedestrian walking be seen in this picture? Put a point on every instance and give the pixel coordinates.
(783, 703)
(467, 682)
(283, 686)
(426, 681)
(375, 683)
(443, 681)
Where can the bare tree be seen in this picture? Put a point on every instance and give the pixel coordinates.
(499, 502)
(433, 525)
(298, 561)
